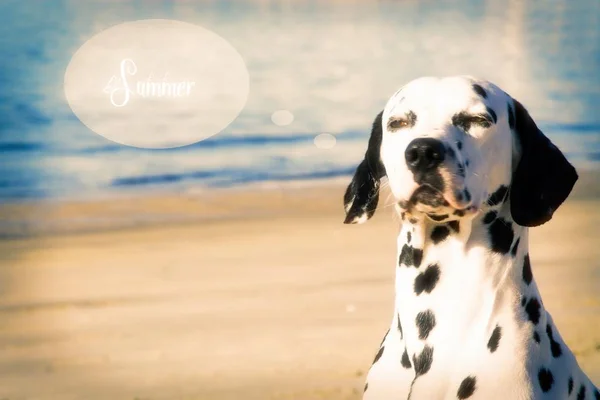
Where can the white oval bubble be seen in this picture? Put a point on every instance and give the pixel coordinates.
(282, 117)
(156, 83)
(325, 141)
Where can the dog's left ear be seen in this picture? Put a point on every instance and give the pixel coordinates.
(362, 195)
(543, 178)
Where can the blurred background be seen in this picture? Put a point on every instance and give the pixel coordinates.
(331, 64)
(242, 282)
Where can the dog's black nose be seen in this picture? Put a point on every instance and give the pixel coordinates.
(424, 154)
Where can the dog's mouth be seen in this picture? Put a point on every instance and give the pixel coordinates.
(426, 195)
(433, 202)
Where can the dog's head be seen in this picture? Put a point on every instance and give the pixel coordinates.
(451, 147)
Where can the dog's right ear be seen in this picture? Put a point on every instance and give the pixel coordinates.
(362, 195)
(543, 178)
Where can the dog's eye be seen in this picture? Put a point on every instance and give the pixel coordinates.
(481, 120)
(466, 121)
(395, 124)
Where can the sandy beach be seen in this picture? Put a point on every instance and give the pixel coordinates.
(236, 294)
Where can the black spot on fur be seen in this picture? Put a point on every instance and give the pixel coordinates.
(423, 362)
(479, 90)
(408, 237)
(459, 145)
(467, 195)
(536, 337)
(450, 152)
(454, 225)
(498, 196)
(379, 354)
(546, 379)
(467, 388)
(366, 387)
(461, 170)
(467, 162)
(426, 281)
(527, 274)
(438, 218)
(515, 248)
(532, 308)
(459, 213)
(410, 256)
(581, 394)
(492, 114)
(511, 117)
(400, 328)
(554, 345)
(596, 394)
(459, 196)
(412, 220)
(489, 217)
(403, 215)
(570, 385)
(384, 337)
(405, 361)
(495, 339)
(439, 234)
(523, 301)
(425, 323)
(412, 118)
(501, 235)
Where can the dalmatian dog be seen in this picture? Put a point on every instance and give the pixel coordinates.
(469, 172)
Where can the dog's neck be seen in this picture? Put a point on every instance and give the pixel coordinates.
(465, 276)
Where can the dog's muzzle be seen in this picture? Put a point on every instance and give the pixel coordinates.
(424, 156)
(425, 159)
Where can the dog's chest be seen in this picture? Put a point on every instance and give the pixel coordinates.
(450, 288)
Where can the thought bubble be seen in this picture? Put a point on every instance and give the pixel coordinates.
(156, 83)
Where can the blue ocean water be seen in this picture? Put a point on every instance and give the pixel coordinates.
(331, 64)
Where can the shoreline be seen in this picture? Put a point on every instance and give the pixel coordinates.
(196, 206)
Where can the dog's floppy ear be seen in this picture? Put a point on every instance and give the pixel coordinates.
(543, 178)
(362, 195)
